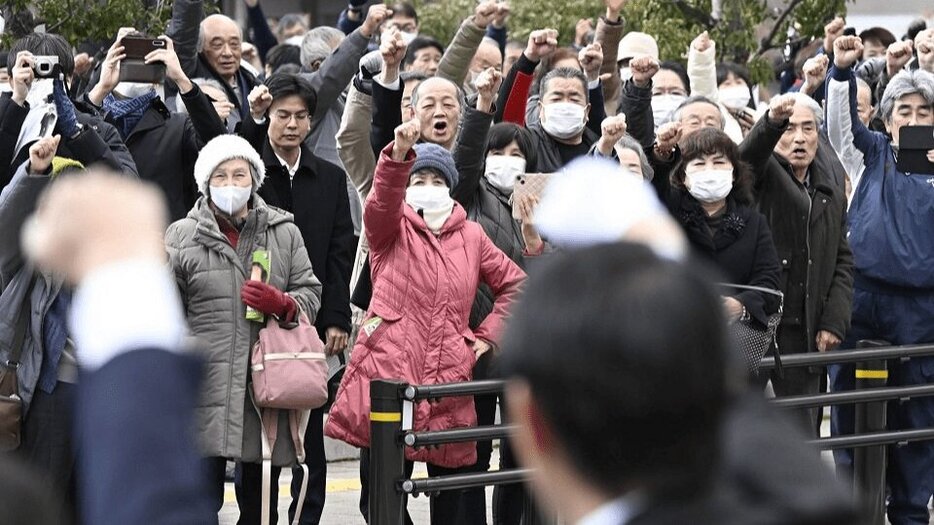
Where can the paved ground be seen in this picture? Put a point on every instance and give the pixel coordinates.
(343, 496)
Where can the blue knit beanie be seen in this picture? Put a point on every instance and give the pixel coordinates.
(436, 158)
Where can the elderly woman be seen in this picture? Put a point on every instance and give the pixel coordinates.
(427, 261)
(632, 157)
(890, 223)
(711, 197)
(211, 254)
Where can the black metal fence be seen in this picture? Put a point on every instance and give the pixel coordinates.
(392, 412)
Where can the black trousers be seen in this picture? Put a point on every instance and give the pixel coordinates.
(48, 444)
(798, 380)
(317, 472)
(248, 486)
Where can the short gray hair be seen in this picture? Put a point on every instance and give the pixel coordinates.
(316, 44)
(200, 82)
(903, 84)
(627, 142)
(810, 103)
(676, 115)
(461, 99)
(569, 73)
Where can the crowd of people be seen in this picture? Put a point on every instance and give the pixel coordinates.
(380, 170)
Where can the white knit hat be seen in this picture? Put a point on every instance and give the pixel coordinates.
(221, 149)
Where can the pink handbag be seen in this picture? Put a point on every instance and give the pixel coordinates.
(290, 372)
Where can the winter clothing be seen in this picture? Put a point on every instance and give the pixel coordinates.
(210, 274)
(268, 299)
(608, 34)
(129, 112)
(890, 217)
(741, 248)
(434, 157)
(416, 330)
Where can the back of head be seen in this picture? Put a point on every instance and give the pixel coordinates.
(283, 85)
(47, 44)
(405, 9)
(282, 54)
(640, 343)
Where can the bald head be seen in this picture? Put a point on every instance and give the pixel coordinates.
(488, 55)
(219, 41)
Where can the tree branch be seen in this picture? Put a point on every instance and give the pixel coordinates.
(766, 42)
(692, 12)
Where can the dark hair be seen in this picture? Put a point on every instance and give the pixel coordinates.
(710, 141)
(879, 34)
(4, 58)
(725, 68)
(405, 9)
(547, 65)
(565, 72)
(282, 54)
(641, 343)
(44, 44)
(283, 85)
(419, 43)
(678, 69)
(502, 134)
(289, 20)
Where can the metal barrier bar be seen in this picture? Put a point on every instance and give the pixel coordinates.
(464, 481)
(869, 462)
(855, 396)
(387, 457)
(467, 388)
(849, 356)
(900, 437)
(457, 435)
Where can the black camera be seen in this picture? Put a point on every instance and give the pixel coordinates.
(45, 66)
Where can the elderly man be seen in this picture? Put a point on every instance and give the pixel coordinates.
(800, 189)
(488, 55)
(890, 219)
(210, 48)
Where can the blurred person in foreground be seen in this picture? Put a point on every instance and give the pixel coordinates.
(646, 440)
(135, 407)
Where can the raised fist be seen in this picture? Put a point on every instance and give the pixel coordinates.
(407, 135)
(591, 58)
(643, 69)
(487, 85)
(484, 14)
(260, 99)
(702, 42)
(542, 43)
(781, 108)
(611, 130)
(847, 50)
(815, 70)
(375, 16)
(897, 55)
(832, 31)
(667, 137)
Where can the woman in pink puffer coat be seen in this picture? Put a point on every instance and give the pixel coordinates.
(427, 261)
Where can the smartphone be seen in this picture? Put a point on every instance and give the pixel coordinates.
(532, 184)
(133, 68)
(914, 142)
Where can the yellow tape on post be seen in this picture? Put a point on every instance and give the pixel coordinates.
(386, 417)
(872, 374)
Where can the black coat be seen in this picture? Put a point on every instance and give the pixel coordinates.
(741, 249)
(165, 146)
(317, 197)
(99, 142)
(809, 229)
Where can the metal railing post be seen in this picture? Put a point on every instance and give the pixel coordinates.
(387, 457)
(869, 462)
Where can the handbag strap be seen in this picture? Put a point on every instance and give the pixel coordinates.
(23, 324)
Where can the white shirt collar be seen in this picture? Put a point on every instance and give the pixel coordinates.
(291, 169)
(616, 512)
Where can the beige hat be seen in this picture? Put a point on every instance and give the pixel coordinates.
(636, 44)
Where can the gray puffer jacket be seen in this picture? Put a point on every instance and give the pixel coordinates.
(210, 274)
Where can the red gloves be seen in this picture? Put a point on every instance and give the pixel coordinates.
(269, 300)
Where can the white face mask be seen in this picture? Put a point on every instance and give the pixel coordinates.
(230, 199)
(709, 185)
(734, 97)
(133, 89)
(501, 171)
(663, 106)
(625, 73)
(563, 120)
(408, 37)
(434, 204)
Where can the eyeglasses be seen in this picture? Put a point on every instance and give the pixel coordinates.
(286, 116)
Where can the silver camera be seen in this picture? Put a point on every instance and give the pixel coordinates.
(45, 66)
